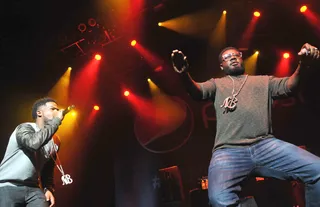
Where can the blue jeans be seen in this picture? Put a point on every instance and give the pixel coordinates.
(271, 157)
(22, 196)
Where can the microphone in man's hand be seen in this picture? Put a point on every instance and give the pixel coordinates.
(178, 60)
(68, 109)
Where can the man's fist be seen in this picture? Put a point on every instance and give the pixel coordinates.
(309, 51)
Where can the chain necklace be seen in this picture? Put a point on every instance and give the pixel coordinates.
(66, 178)
(230, 103)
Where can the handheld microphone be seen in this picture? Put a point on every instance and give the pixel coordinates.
(68, 109)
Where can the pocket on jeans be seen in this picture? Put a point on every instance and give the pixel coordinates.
(218, 159)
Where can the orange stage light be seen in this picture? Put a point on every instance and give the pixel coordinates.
(96, 107)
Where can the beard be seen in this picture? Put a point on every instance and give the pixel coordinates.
(46, 120)
(234, 71)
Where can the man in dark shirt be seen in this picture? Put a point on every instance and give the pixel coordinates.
(244, 143)
(26, 171)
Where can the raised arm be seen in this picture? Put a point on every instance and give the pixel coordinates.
(192, 87)
(28, 138)
(308, 53)
(197, 90)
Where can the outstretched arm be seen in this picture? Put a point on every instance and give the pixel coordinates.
(308, 53)
(198, 91)
(192, 87)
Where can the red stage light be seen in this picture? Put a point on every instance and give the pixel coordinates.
(256, 14)
(97, 57)
(126, 93)
(286, 55)
(303, 9)
(158, 69)
(133, 43)
(96, 107)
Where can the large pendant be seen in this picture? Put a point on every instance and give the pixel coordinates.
(66, 179)
(229, 104)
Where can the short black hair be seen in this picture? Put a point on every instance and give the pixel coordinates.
(225, 49)
(38, 103)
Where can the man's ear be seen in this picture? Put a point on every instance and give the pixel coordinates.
(221, 66)
(39, 113)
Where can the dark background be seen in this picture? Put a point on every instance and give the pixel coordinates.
(114, 169)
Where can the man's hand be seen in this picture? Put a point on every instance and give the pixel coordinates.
(308, 53)
(179, 61)
(50, 197)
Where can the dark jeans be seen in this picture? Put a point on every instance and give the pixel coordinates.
(229, 167)
(22, 196)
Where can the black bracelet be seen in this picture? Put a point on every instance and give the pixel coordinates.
(48, 189)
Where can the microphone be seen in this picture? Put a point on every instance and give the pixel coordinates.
(68, 109)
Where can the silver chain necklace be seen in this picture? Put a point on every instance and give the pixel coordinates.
(65, 178)
(230, 103)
